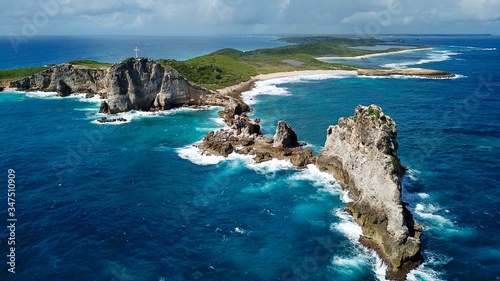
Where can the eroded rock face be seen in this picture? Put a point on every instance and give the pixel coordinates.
(244, 137)
(64, 79)
(243, 132)
(285, 136)
(144, 84)
(233, 108)
(361, 152)
(141, 84)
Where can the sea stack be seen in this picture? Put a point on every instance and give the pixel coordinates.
(361, 152)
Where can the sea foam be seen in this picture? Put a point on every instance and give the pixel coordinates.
(137, 114)
(271, 87)
(268, 88)
(269, 167)
(324, 181)
(42, 95)
(434, 56)
(197, 156)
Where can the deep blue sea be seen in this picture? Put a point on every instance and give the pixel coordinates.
(136, 201)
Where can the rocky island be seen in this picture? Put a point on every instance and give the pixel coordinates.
(361, 152)
(419, 72)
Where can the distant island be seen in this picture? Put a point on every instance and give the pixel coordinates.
(361, 151)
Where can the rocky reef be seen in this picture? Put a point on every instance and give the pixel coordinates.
(140, 84)
(419, 72)
(245, 137)
(361, 152)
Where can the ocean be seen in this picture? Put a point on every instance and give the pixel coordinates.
(137, 201)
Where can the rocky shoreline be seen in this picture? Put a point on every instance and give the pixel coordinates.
(361, 151)
(418, 72)
(141, 84)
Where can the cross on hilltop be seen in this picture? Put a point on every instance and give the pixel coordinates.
(136, 52)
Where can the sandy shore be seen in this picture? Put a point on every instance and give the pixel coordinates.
(371, 55)
(236, 90)
(264, 77)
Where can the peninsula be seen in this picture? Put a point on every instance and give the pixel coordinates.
(361, 151)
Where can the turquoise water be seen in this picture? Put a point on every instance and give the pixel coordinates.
(136, 201)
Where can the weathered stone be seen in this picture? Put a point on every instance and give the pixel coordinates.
(285, 136)
(233, 107)
(141, 84)
(420, 72)
(63, 89)
(361, 152)
(64, 79)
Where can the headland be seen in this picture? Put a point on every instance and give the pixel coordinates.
(361, 151)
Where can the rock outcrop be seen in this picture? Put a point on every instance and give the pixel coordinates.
(285, 136)
(361, 152)
(65, 79)
(233, 108)
(420, 72)
(244, 137)
(140, 84)
(144, 84)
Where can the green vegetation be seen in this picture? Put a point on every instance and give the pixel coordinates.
(373, 112)
(228, 67)
(128, 60)
(220, 69)
(90, 63)
(14, 74)
(395, 163)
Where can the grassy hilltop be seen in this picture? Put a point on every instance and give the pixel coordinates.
(229, 66)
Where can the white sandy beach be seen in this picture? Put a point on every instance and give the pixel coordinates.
(247, 85)
(276, 75)
(371, 55)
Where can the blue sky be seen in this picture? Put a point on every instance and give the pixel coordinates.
(216, 17)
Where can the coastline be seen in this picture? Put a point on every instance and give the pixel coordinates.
(372, 55)
(236, 90)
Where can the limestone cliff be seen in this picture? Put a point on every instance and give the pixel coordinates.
(141, 84)
(144, 84)
(361, 152)
(64, 79)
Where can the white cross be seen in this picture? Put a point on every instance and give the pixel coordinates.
(136, 52)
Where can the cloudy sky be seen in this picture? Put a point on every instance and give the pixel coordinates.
(214, 17)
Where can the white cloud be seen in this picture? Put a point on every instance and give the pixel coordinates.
(163, 17)
(480, 10)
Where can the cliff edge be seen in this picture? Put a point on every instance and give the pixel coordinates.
(144, 84)
(140, 84)
(361, 152)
